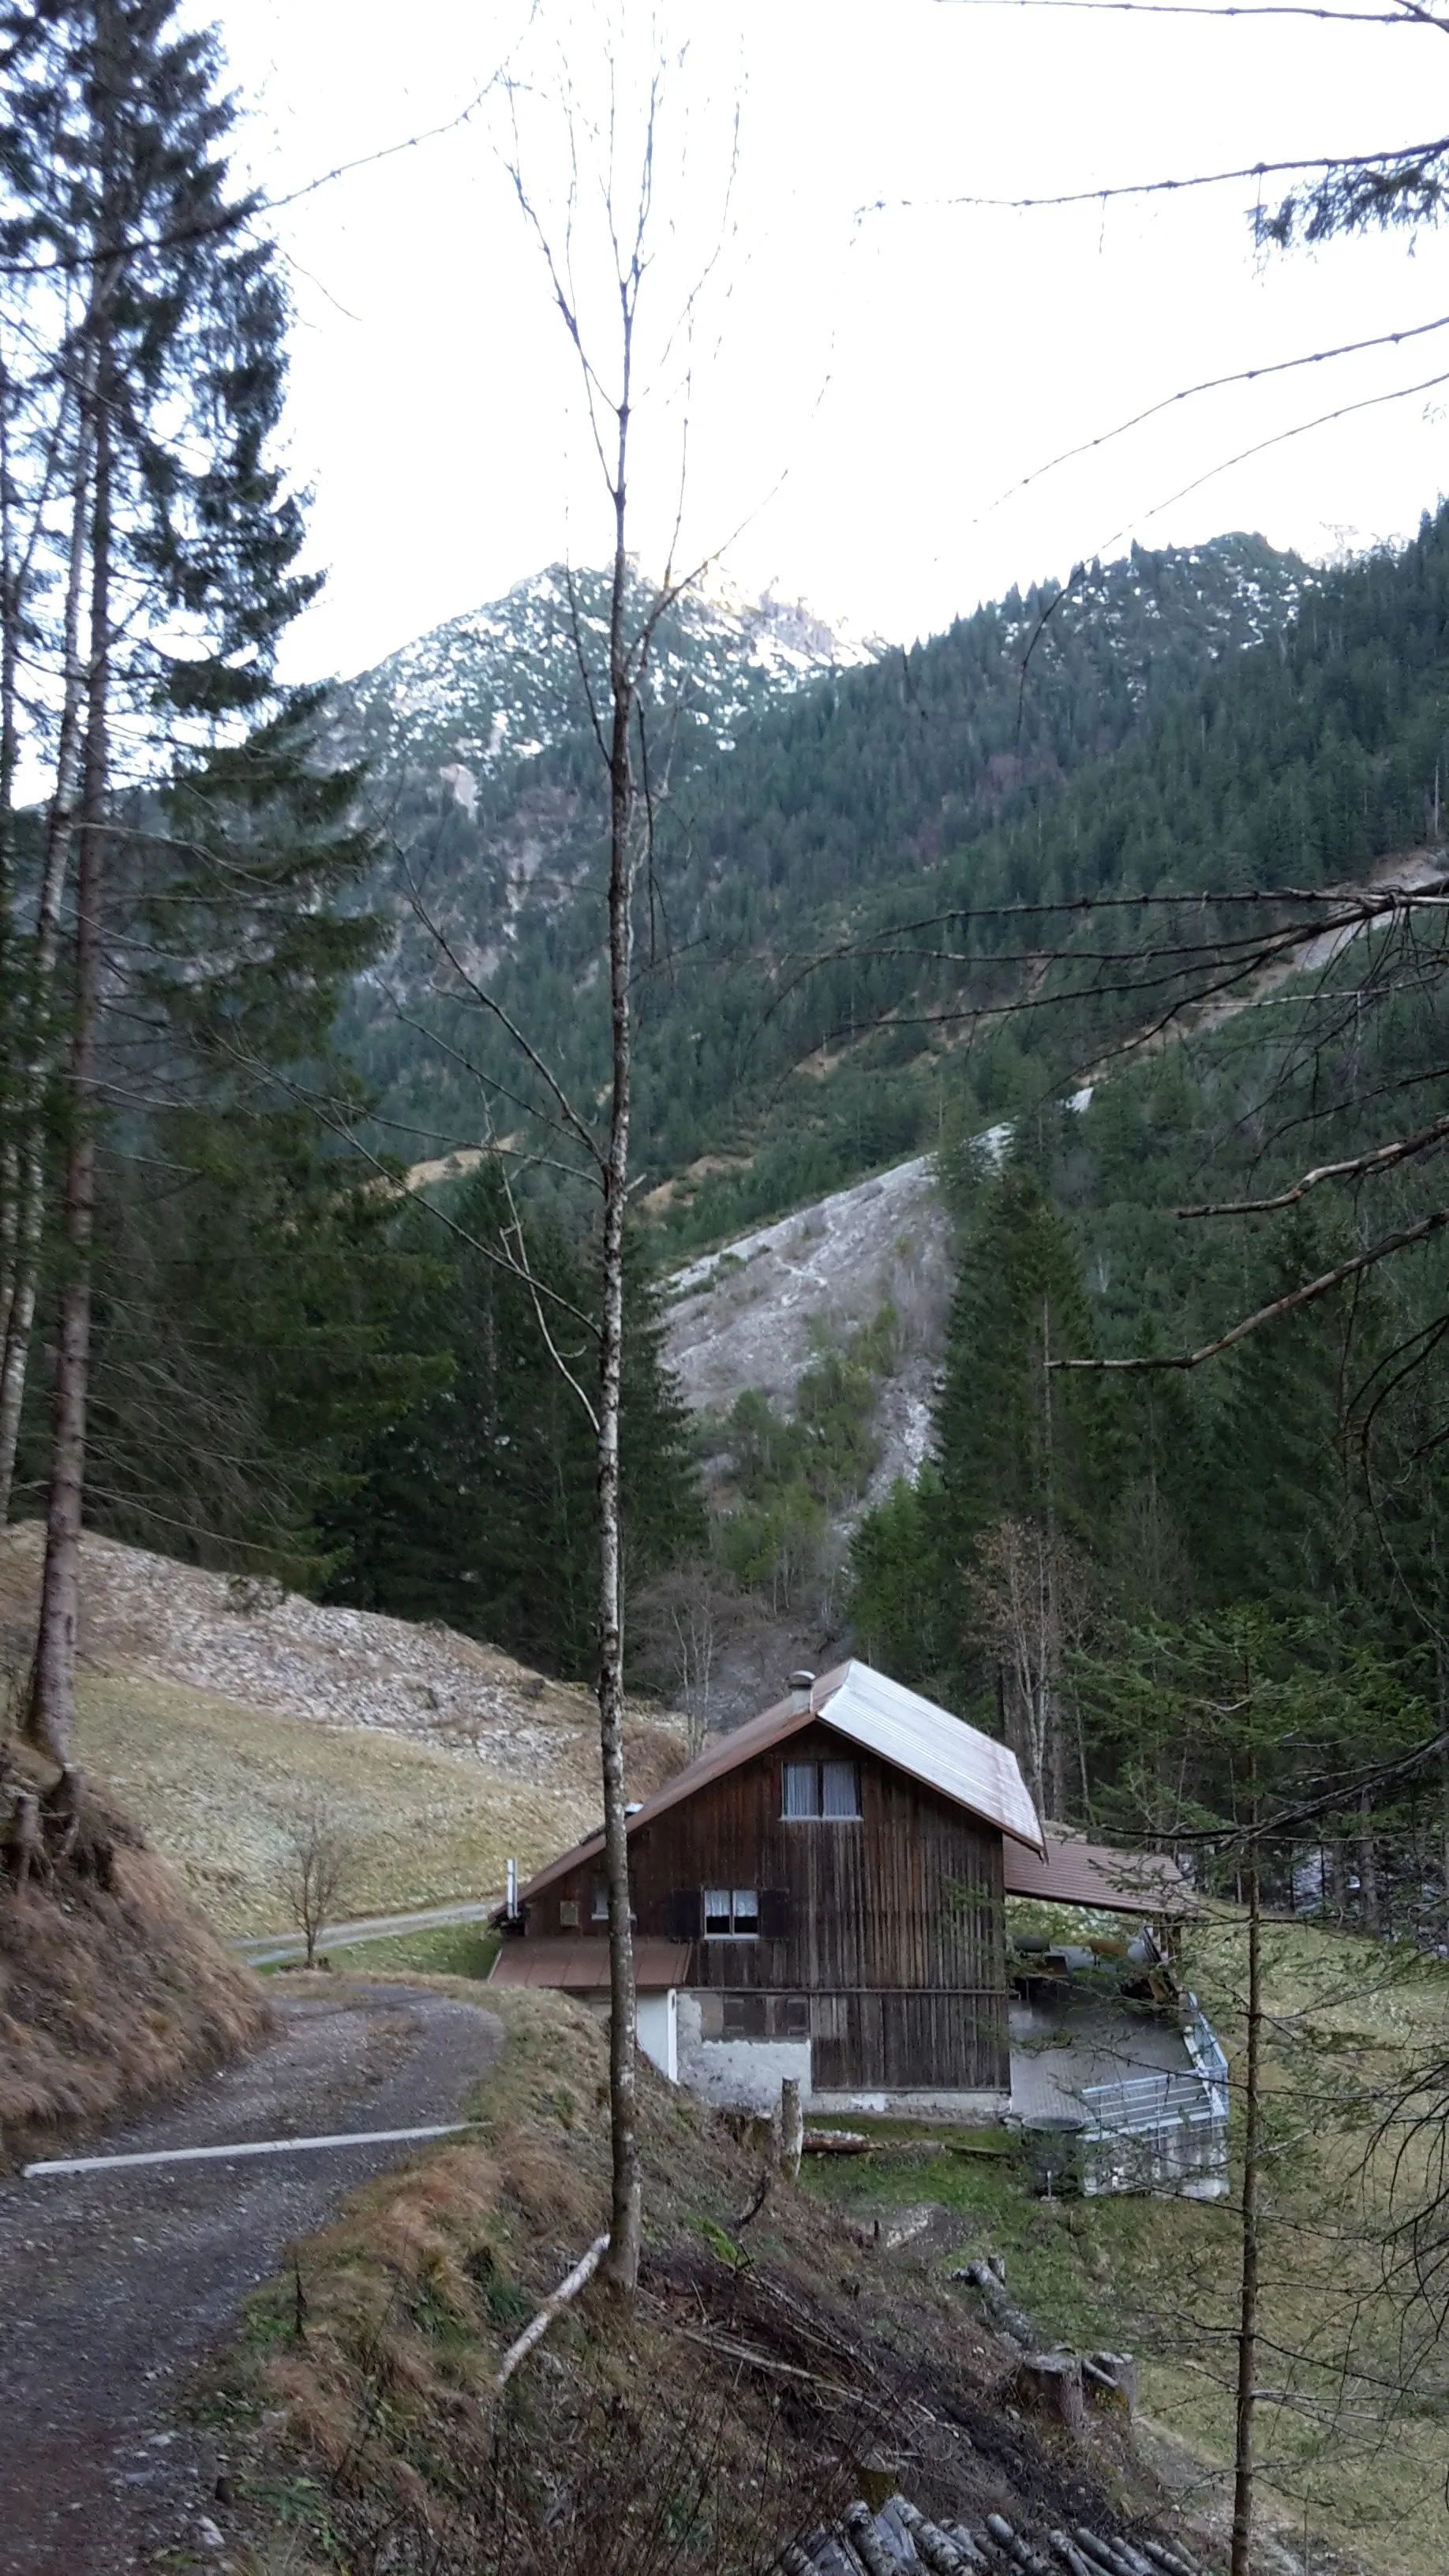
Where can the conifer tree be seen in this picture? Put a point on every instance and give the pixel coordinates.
(184, 541)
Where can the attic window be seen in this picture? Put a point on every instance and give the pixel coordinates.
(731, 1914)
(816, 1790)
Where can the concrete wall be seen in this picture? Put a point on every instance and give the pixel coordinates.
(659, 2030)
(737, 2074)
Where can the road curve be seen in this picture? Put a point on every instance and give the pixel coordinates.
(116, 2284)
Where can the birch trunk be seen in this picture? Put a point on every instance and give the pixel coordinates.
(52, 1711)
(1244, 2464)
(621, 2263)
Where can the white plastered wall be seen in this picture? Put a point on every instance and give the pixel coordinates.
(737, 2074)
(659, 2030)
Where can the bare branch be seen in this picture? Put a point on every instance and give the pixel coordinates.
(1381, 1158)
(1398, 154)
(1209, 384)
(1286, 1305)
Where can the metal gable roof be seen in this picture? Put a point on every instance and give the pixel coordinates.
(883, 1718)
(943, 1751)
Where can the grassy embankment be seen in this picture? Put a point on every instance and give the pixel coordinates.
(112, 1986)
(766, 2356)
(214, 1783)
(1354, 2426)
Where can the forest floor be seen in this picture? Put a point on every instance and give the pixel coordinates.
(117, 2283)
(212, 1706)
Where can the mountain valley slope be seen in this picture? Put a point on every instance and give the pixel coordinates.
(212, 1704)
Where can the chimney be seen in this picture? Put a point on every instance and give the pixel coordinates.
(802, 1687)
(510, 1902)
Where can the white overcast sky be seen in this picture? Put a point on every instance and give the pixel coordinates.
(865, 388)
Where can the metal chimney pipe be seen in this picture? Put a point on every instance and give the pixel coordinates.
(510, 1903)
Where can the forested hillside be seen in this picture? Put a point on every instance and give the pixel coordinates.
(860, 785)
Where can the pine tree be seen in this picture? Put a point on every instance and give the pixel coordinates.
(187, 540)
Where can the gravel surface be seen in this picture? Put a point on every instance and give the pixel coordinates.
(753, 1313)
(116, 2284)
(269, 1649)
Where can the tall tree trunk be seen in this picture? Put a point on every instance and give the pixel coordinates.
(1368, 1865)
(52, 1712)
(29, 1144)
(621, 2263)
(1248, 2286)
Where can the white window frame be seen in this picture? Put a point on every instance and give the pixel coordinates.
(740, 1908)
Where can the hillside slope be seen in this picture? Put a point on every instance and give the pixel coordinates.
(212, 1707)
(776, 807)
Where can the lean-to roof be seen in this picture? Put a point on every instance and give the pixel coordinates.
(1116, 1882)
(880, 1717)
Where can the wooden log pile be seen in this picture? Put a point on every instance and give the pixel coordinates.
(899, 2536)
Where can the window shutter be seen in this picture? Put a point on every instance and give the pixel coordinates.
(774, 1913)
(685, 1914)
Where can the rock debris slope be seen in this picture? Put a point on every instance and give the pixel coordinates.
(756, 1313)
(215, 1704)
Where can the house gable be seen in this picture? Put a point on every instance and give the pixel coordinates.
(879, 1935)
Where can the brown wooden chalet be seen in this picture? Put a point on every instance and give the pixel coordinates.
(820, 1894)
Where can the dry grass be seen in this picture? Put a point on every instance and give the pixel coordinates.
(442, 1759)
(110, 1992)
(214, 1786)
(636, 2442)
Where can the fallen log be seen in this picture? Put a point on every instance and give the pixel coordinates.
(1012, 2546)
(1070, 2556)
(865, 2540)
(1110, 2379)
(538, 2327)
(1170, 2560)
(834, 2142)
(1006, 2319)
(943, 2554)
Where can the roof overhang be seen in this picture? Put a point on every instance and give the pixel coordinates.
(582, 1966)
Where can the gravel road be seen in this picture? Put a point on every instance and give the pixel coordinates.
(114, 2285)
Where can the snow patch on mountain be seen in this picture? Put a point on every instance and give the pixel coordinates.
(503, 682)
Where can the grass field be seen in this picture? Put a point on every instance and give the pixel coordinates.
(213, 1785)
(452, 1950)
(1353, 2428)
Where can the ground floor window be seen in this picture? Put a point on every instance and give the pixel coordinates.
(731, 1914)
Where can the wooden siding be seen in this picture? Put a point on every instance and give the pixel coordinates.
(893, 1924)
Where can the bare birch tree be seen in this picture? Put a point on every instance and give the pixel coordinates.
(607, 358)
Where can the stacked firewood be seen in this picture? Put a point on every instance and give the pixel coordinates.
(863, 2543)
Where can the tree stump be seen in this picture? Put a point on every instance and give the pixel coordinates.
(1050, 2384)
(1110, 2379)
(792, 2128)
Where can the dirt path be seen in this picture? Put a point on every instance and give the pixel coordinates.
(115, 2284)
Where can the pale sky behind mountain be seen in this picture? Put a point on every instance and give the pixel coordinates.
(865, 387)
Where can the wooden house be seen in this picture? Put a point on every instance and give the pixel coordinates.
(820, 1895)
